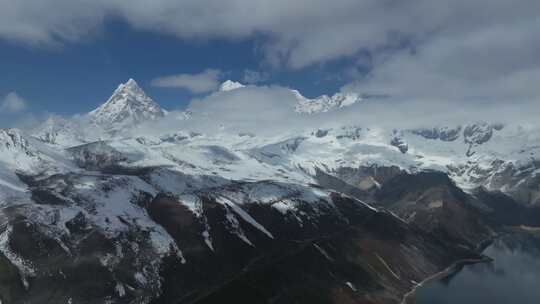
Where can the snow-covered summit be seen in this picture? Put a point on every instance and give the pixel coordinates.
(305, 105)
(473, 154)
(324, 103)
(129, 105)
(230, 85)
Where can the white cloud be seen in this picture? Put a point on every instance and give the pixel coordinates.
(498, 63)
(13, 103)
(204, 82)
(252, 109)
(456, 50)
(269, 111)
(300, 32)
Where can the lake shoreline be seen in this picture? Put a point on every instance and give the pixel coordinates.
(410, 297)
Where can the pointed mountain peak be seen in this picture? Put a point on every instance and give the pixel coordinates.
(129, 105)
(230, 85)
(131, 86)
(131, 82)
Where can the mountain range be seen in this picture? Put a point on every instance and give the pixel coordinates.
(95, 212)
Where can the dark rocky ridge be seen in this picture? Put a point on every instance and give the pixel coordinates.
(432, 202)
(335, 249)
(341, 251)
(375, 252)
(186, 231)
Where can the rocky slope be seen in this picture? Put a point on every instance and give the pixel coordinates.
(142, 235)
(92, 213)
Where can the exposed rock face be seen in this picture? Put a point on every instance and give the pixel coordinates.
(321, 133)
(444, 134)
(344, 214)
(80, 239)
(428, 200)
(156, 235)
(153, 234)
(477, 134)
(127, 243)
(12, 140)
(337, 268)
(97, 155)
(400, 144)
(431, 201)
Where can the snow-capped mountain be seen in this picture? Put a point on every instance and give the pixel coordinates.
(477, 154)
(325, 103)
(129, 105)
(177, 215)
(321, 104)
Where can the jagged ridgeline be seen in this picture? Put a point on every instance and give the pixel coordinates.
(93, 212)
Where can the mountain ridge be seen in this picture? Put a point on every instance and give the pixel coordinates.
(163, 215)
(474, 154)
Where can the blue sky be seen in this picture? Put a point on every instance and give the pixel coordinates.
(76, 77)
(67, 56)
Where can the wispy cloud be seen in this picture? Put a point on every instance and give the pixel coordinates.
(270, 111)
(203, 82)
(299, 33)
(13, 103)
(455, 51)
